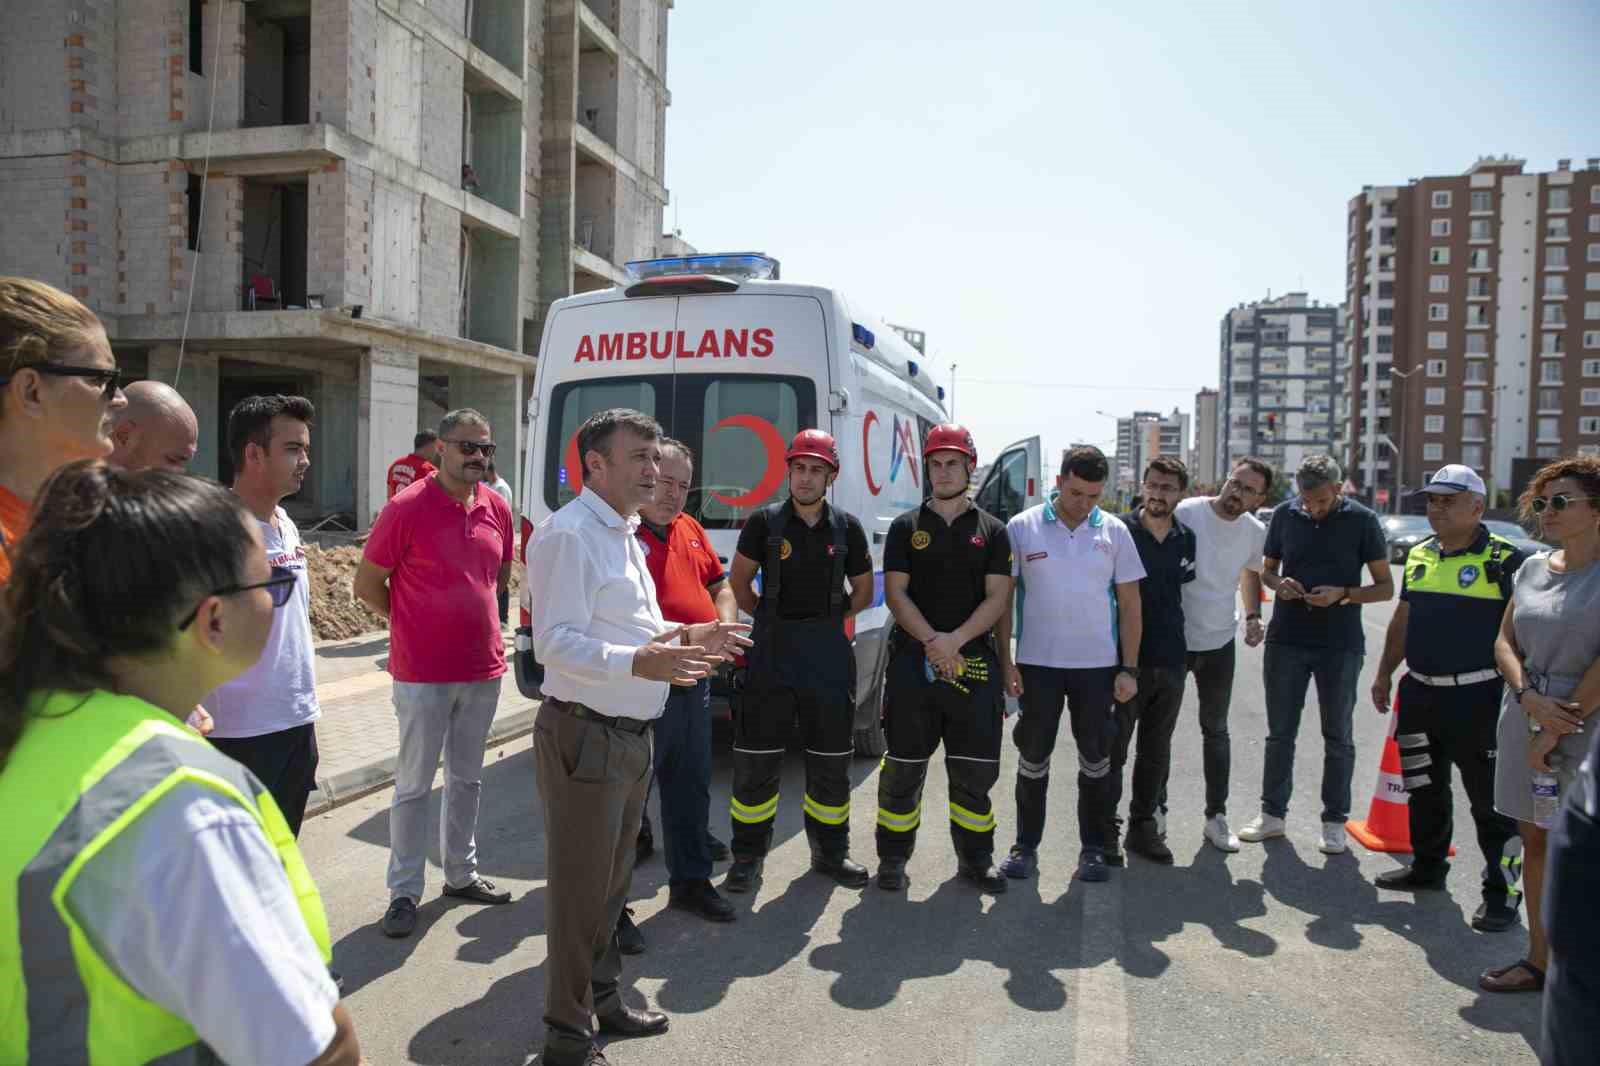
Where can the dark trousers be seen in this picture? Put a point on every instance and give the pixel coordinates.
(1571, 1029)
(1287, 672)
(1154, 712)
(760, 736)
(918, 714)
(683, 772)
(1087, 695)
(1213, 684)
(591, 780)
(285, 762)
(1438, 727)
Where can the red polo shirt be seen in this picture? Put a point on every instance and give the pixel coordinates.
(444, 561)
(408, 470)
(683, 568)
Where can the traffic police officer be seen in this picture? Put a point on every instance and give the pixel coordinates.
(946, 578)
(1453, 592)
(801, 664)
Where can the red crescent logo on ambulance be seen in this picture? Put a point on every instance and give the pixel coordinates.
(574, 467)
(866, 451)
(772, 442)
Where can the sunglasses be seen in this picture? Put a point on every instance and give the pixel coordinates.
(108, 380)
(1559, 502)
(280, 585)
(472, 447)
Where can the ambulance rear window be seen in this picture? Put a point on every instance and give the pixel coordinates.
(737, 426)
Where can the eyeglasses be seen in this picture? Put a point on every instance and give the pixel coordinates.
(472, 447)
(108, 380)
(1241, 488)
(280, 585)
(1559, 502)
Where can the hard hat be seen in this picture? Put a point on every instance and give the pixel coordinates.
(950, 437)
(817, 445)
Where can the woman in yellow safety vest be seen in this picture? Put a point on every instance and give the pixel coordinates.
(153, 905)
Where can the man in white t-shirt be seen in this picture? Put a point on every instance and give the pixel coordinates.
(265, 718)
(1228, 541)
(1068, 556)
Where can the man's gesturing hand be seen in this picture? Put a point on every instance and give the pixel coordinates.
(721, 640)
(675, 663)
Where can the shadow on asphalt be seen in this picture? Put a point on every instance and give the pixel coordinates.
(357, 649)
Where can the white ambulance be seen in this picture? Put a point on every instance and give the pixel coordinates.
(734, 362)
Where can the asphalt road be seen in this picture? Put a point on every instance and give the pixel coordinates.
(1278, 954)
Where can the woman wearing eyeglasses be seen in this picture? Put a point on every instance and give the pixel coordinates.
(58, 392)
(153, 905)
(1549, 654)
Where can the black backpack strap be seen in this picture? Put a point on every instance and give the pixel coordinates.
(840, 551)
(777, 515)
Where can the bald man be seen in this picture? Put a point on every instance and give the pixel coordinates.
(156, 430)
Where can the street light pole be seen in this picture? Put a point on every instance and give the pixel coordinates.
(952, 392)
(1400, 459)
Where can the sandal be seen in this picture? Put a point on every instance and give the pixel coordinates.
(1501, 980)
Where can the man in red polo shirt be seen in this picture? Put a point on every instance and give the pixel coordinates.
(691, 587)
(416, 466)
(437, 558)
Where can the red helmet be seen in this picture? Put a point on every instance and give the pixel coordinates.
(950, 437)
(815, 444)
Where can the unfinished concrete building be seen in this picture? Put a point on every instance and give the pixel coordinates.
(371, 203)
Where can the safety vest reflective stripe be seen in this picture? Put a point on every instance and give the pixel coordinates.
(752, 815)
(827, 815)
(900, 823)
(1454, 575)
(971, 820)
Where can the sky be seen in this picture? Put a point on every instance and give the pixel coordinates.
(1068, 197)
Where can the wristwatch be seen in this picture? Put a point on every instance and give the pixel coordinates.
(1516, 694)
(1256, 617)
(1345, 599)
(1131, 671)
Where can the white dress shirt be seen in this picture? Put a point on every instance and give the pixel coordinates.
(593, 604)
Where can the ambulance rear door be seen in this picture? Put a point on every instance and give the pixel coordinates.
(1015, 481)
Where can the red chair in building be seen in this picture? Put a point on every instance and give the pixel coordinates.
(262, 290)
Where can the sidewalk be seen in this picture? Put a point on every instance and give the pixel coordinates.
(357, 739)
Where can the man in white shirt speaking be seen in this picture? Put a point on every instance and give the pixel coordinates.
(608, 658)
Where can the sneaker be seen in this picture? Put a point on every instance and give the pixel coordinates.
(1496, 917)
(1333, 840)
(629, 940)
(401, 918)
(1262, 827)
(1092, 866)
(1219, 835)
(1020, 865)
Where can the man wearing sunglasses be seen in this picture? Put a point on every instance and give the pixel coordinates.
(437, 560)
(266, 717)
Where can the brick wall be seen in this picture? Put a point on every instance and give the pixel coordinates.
(33, 232)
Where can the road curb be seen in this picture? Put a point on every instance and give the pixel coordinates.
(336, 790)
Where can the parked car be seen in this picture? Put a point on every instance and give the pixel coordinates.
(1516, 535)
(1404, 532)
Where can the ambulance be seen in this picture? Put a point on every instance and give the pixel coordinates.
(734, 362)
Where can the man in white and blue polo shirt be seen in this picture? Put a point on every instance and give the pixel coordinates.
(1078, 574)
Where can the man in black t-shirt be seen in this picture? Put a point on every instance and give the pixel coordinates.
(946, 579)
(801, 664)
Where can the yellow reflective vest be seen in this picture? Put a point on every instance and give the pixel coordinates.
(84, 769)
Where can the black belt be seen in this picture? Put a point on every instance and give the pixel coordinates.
(589, 714)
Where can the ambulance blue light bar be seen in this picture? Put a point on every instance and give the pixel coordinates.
(746, 266)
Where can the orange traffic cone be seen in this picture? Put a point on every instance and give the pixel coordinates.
(1387, 826)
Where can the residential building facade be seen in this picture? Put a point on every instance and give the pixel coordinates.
(371, 203)
(1203, 467)
(1474, 336)
(1280, 381)
(1143, 436)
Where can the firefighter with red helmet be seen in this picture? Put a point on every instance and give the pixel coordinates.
(801, 664)
(946, 579)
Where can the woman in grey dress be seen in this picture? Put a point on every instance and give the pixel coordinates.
(1549, 654)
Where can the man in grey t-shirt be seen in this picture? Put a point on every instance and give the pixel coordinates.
(1227, 566)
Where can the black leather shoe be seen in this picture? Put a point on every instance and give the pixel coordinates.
(892, 874)
(699, 897)
(625, 1021)
(401, 918)
(742, 875)
(985, 876)
(1020, 865)
(843, 870)
(481, 890)
(1145, 841)
(1092, 866)
(1495, 917)
(629, 940)
(719, 850)
(589, 1056)
(1410, 879)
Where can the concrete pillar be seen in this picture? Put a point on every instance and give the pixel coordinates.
(198, 384)
(497, 398)
(386, 423)
(334, 444)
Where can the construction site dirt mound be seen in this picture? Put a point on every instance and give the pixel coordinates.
(336, 614)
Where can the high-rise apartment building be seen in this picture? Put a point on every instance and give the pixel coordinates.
(1203, 466)
(372, 203)
(1142, 437)
(1474, 304)
(1281, 381)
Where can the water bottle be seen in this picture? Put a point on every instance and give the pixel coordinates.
(1546, 797)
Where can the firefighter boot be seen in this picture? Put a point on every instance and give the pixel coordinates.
(980, 870)
(742, 875)
(839, 867)
(891, 874)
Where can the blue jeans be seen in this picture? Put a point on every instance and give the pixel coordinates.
(1287, 672)
(683, 774)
